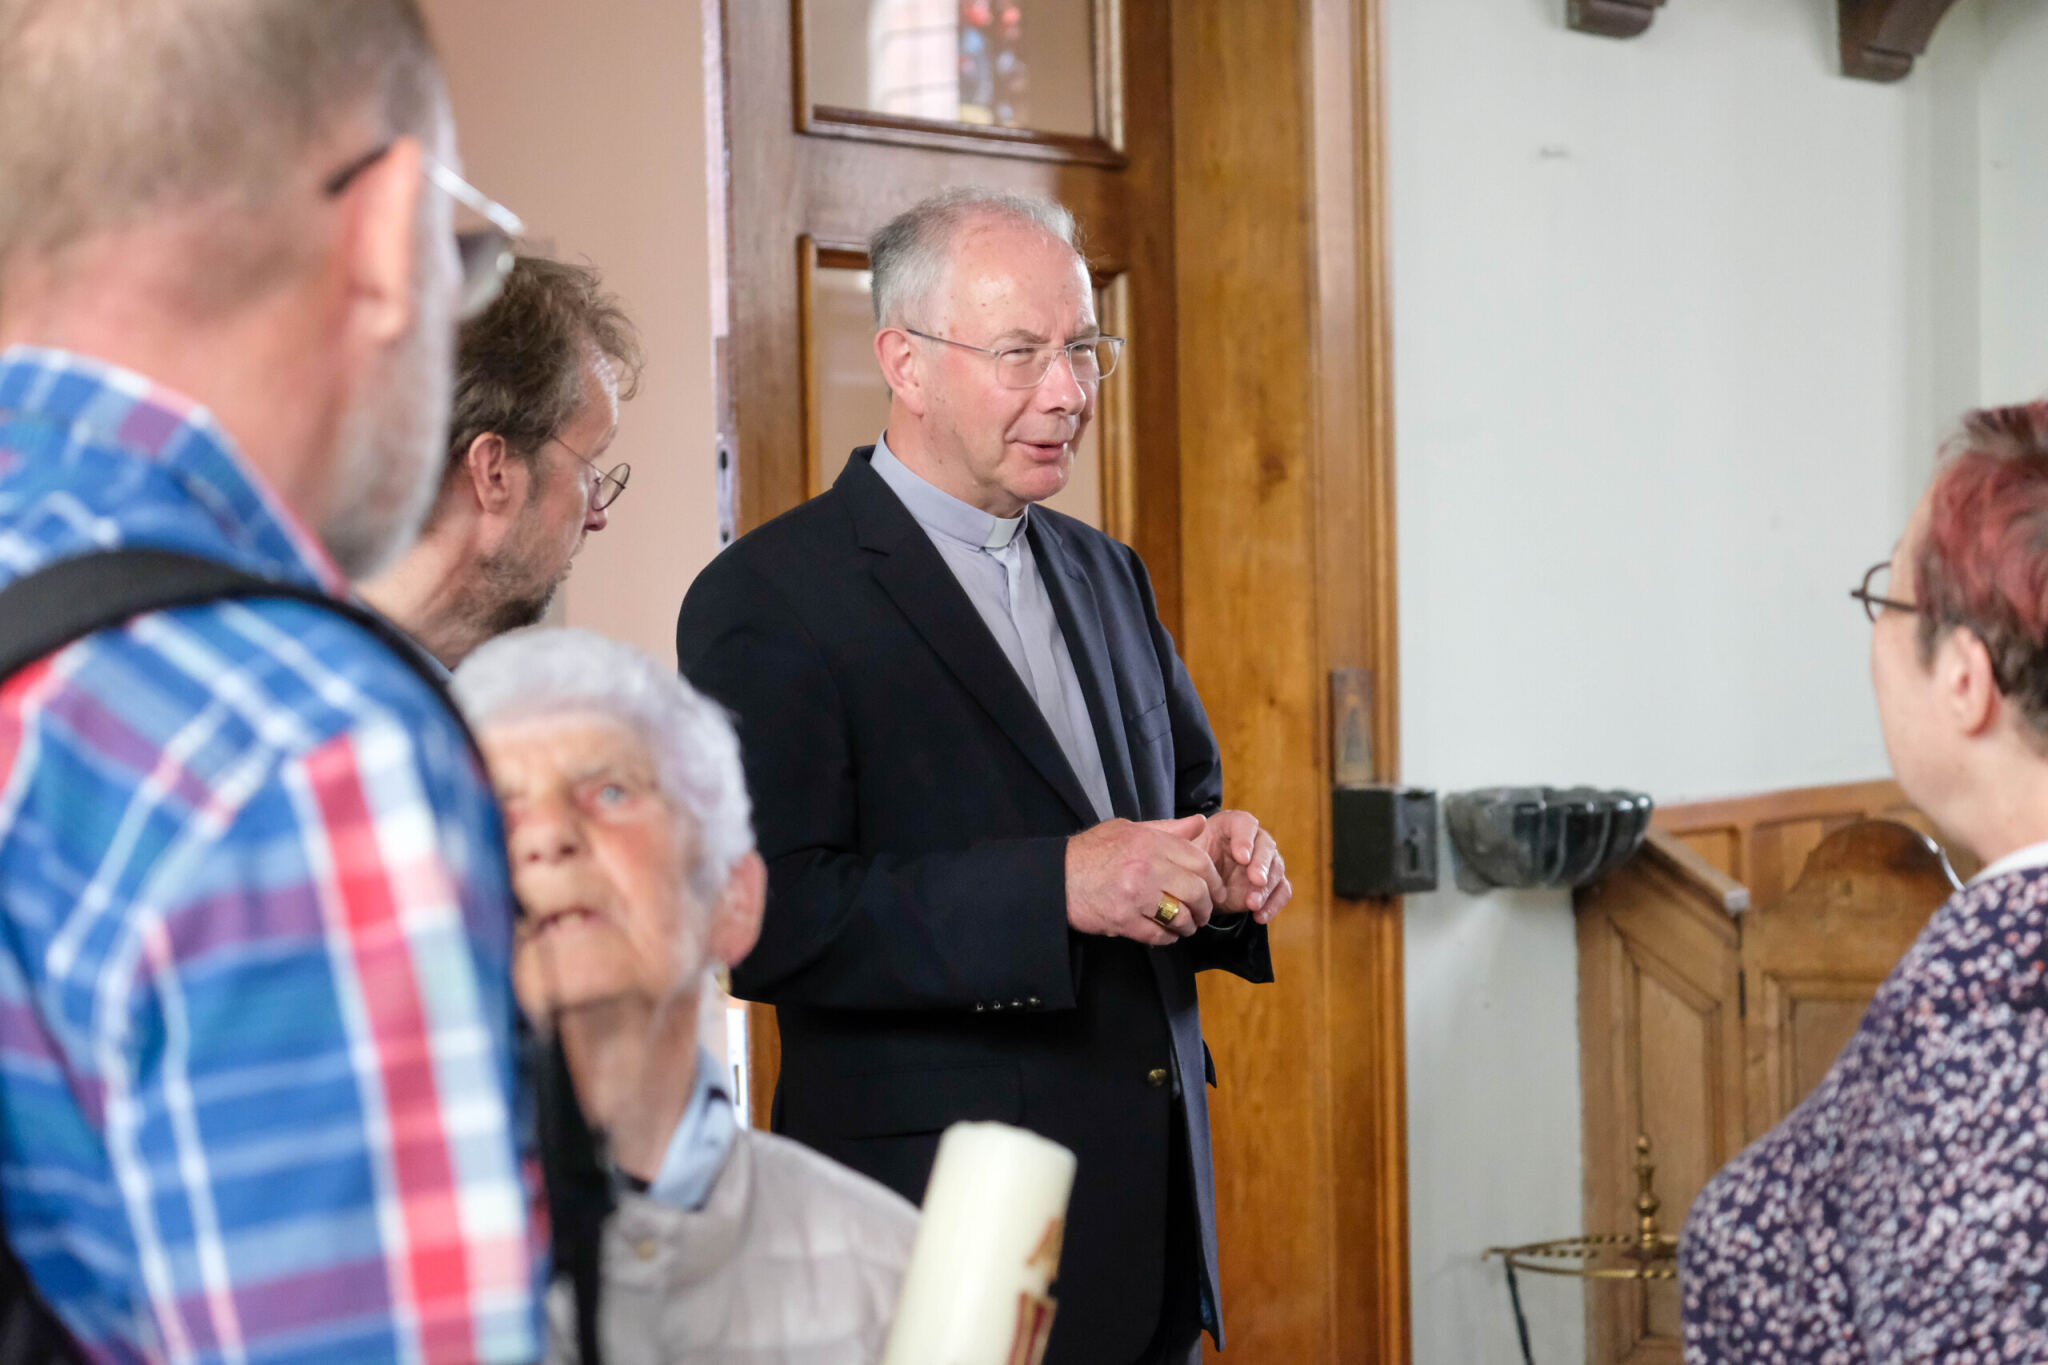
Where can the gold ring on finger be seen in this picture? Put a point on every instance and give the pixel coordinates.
(1168, 911)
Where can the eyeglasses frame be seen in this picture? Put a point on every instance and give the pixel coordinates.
(492, 244)
(610, 482)
(1116, 351)
(1871, 601)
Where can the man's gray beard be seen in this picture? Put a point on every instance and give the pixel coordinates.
(388, 467)
(369, 530)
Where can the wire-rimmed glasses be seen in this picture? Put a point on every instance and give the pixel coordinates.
(1093, 359)
(485, 252)
(610, 482)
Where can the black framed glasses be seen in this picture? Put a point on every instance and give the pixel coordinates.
(485, 251)
(1025, 367)
(1875, 579)
(610, 482)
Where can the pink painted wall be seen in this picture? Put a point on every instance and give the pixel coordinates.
(588, 120)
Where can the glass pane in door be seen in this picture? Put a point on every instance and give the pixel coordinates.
(849, 403)
(995, 63)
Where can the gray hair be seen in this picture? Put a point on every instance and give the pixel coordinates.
(113, 110)
(908, 256)
(550, 671)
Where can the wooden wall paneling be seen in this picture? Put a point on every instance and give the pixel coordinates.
(1660, 1039)
(1727, 831)
(1763, 841)
(1707, 1011)
(1814, 956)
(1285, 506)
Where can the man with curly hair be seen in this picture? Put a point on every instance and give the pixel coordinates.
(538, 381)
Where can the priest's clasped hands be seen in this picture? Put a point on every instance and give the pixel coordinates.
(1126, 878)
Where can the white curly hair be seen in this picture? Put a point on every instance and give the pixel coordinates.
(557, 671)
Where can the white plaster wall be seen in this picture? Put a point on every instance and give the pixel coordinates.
(2014, 171)
(1678, 323)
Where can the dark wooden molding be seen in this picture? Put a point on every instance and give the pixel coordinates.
(1881, 38)
(1612, 18)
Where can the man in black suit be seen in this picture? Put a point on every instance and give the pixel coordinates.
(988, 795)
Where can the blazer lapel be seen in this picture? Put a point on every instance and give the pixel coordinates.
(1080, 618)
(918, 580)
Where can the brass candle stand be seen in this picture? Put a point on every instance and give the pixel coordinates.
(1649, 1253)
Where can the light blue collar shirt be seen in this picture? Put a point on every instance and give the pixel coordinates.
(702, 1141)
(991, 558)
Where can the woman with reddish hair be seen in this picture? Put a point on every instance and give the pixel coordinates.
(1900, 1214)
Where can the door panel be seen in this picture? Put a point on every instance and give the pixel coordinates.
(1037, 79)
(1023, 64)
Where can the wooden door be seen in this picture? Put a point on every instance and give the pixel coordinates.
(1229, 189)
(839, 114)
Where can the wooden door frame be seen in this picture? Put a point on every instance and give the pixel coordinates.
(1288, 571)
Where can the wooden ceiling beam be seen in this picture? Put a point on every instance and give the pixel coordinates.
(1882, 38)
(1611, 18)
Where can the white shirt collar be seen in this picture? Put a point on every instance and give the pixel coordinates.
(2019, 860)
(702, 1139)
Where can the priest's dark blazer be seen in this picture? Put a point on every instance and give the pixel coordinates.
(913, 808)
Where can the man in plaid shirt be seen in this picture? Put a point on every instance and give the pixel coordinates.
(256, 1075)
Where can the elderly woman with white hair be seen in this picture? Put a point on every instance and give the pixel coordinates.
(627, 823)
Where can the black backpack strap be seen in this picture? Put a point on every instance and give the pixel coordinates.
(44, 611)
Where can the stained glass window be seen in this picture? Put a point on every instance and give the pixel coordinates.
(1008, 63)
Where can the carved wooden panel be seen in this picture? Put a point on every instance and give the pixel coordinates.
(1763, 841)
(1881, 38)
(1813, 957)
(1660, 1049)
(1704, 1018)
(1611, 18)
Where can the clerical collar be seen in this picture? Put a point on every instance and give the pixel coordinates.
(937, 510)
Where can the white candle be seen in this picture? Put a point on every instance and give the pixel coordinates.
(988, 1247)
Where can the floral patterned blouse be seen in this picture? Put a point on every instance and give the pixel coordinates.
(1900, 1214)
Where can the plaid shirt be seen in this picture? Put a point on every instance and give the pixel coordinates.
(255, 1001)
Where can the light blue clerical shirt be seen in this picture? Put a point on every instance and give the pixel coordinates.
(697, 1151)
(991, 558)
